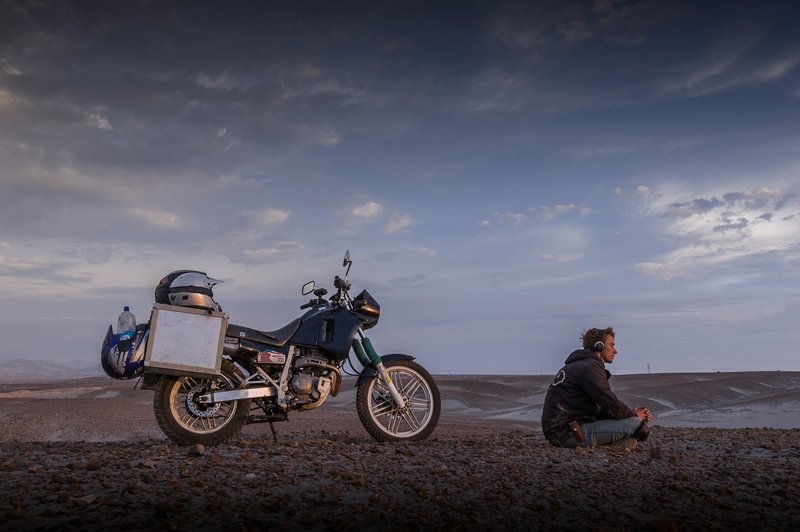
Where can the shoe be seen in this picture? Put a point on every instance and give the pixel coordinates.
(642, 432)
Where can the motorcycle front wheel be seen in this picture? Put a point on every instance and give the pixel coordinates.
(381, 416)
(185, 421)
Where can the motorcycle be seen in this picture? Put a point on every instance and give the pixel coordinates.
(265, 375)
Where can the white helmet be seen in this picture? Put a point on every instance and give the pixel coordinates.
(188, 288)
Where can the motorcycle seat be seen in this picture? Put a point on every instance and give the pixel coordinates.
(275, 338)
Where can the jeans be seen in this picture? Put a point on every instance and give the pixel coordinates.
(602, 432)
(608, 431)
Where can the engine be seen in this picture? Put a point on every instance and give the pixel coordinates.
(312, 380)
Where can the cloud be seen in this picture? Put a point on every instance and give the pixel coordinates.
(595, 148)
(266, 217)
(220, 81)
(691, 208)
(546, 214)
(348, 94)
(372, 212)
(644, 191)
(306, 71)
(711, 232)
(279, 250)
(156, 217)
(99, 121)
(543, 214)
(15, 266)
(366, 212)
(562, 257)
(760, 198)
(522, 26)
(732, 64)
(496, 90)
(511, 217)
(582, 153)
(778, 68)
(398, 255)
(737, 225)
(399, 223)
(8, 69)
(540, 26)
(39, 269)
(6, 98)
(575, 31)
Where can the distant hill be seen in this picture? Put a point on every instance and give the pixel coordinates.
(21, 370)
(722, 400)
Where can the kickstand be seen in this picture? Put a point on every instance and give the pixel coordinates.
(272, 428)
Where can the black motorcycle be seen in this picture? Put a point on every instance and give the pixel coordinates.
(264, 375)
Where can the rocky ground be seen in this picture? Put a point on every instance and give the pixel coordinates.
(89, 456)
(488, 476)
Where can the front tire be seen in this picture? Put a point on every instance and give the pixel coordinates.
(186, 421)
(380, 414)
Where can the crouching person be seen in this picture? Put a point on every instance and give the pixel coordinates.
(580, 410)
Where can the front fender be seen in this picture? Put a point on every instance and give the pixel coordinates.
(370, 372)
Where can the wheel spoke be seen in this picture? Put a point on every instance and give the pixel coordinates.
(419, 403)
(412, 389)
(411, 419)
(394, 424)
(384, 407)
(186, 418)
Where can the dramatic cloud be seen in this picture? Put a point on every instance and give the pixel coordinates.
(517, 154)
(710, 232)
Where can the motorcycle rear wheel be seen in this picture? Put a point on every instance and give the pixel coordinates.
(381, 416)
(185, 421)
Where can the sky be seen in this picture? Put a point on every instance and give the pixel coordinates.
(504, 174)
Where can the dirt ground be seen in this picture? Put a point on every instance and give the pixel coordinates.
(91, 457)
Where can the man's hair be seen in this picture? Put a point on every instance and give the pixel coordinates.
(592, 336)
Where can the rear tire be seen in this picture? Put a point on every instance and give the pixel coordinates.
(379, 413)
(186, 421)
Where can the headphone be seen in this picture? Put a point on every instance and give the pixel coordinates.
(598, 345)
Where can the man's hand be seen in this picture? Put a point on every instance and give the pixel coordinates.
(643, 413)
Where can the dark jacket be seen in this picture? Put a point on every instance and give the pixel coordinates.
(580, 392)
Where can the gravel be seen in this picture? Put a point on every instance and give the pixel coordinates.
(329, 475)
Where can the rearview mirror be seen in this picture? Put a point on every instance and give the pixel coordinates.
(347, 263)
(308, 288)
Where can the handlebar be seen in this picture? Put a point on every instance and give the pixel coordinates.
(341, 284)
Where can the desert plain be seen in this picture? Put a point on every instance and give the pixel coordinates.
(724, 453)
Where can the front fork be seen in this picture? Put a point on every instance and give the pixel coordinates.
(368, 357)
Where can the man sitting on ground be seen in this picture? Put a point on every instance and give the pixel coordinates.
(580, 410)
